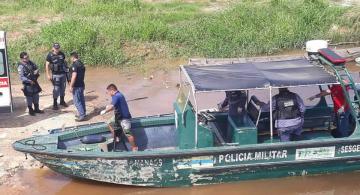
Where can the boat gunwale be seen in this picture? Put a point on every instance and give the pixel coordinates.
(190, 152)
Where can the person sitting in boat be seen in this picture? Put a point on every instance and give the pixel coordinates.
(289, 112)
(341, 108)
(236, 100)
(121, 118)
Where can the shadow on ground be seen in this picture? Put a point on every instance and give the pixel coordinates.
(21, 118)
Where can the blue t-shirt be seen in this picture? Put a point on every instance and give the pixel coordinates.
(120, 105)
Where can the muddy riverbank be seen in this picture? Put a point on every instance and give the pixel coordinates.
(147, 95)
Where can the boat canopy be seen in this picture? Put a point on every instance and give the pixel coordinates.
(257, 75)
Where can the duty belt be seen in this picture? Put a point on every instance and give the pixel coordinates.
(58, 73)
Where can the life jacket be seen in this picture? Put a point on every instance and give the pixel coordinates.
(29, 69)
(287, 106)
(58, 64)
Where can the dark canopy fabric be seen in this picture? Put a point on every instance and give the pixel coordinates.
(252, 75)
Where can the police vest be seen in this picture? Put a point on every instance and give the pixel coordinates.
(287, 106)
(29, 69)
(57, 63)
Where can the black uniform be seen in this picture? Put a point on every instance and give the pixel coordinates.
(79, 68)
(235, 100)
(287, 106)
(78, 88)
(59, 71)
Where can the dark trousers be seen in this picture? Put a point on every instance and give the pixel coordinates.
(59, 82)
(287, 134)
(32, 99)
(343, 123)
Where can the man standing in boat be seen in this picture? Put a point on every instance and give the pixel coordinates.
(236, 100)
(121, 118)
(29, 73)
(289, 112)
(341, 108)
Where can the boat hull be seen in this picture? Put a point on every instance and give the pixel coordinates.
(210, 167)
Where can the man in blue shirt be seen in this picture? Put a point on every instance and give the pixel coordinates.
(122, 116)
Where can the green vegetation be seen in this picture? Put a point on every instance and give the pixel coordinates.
(122, 32)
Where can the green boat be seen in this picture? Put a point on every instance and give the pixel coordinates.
(188, 147)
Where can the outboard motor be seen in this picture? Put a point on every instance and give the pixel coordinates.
(313, 47)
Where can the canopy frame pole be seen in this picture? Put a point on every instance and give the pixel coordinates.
(196, 120)
(193, 90)
(183, 111)
(188, 78)
(271, 115)
(180, 80)
(180, 77)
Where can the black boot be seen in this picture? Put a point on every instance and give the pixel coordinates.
(31, 111)
(37, 110)
(62, 102)
(55, 106)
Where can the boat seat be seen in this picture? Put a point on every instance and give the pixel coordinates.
(260, 119)
(318, 120)
(242, 130)
(319, 116)
(332, 56)
(219, 138)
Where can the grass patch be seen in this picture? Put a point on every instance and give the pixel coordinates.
(101, 30)
(260, 28)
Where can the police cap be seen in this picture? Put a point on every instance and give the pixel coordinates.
(56, 46)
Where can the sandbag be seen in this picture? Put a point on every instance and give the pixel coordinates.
(92, 139)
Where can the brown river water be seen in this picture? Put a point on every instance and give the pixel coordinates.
(160, 91)
(45, 181)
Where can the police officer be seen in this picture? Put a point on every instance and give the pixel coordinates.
(55, 61)
(29, 73)
(289, 114)
(77, 85)
(235, 100)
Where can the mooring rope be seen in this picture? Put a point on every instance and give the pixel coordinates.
(32, 143)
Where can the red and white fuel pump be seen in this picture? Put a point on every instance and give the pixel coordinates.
(5, 87)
